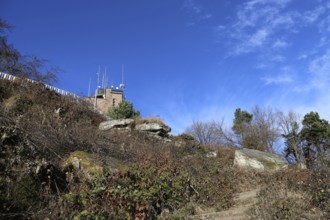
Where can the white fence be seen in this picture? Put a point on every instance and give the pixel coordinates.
(9, 77)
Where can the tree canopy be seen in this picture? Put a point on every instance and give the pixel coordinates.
(210, 133)
(123, 110)
(315, 136)
(14, 63)
(242, 118)
(257, 130)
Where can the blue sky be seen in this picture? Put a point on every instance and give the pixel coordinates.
(185, 59)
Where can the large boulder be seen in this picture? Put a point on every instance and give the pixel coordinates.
(159, 129)
(120, 123)
(258, 160)
(155, 129)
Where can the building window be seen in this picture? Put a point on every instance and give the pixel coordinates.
(113, 102)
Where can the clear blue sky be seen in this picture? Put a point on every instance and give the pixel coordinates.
(185, 59)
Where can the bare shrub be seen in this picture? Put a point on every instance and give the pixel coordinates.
(275, 201)
(293, 194)
(208, 132)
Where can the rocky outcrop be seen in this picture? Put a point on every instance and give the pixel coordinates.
(159, 129)
(121, 123)
(155, 129)
(258, 160)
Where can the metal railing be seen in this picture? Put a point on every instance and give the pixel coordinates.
(9, 77)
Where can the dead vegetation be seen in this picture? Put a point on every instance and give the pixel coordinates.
(141, 176)
(123, 174)
(148, 120)
(294, 194)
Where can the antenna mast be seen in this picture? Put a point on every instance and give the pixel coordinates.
(89, 87)
(122, 74)
(106, 80)
(104, 77)
(98, 76)
(122, 85)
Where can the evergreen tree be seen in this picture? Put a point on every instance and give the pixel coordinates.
(123, 110)
(315, 136)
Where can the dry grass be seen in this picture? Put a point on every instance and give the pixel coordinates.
(293, 194)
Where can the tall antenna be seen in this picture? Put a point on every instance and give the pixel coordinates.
(122, 85)
(122, 74)
(103, 77)
(89, 87)
(98, 76)
(106, 80)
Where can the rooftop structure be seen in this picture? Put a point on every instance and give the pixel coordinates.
(105, 97)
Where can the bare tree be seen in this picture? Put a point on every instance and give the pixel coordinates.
(256, 130)
(291, 127)
(13, 62)
(265, 128)
(208, 132)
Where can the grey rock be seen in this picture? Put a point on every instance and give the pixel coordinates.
(76, 163)
(165, 214)
(259, 160)
(152, 127)
(212, 154)
(121, 123)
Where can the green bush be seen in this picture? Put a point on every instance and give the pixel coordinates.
(123, 110)
(140, 193)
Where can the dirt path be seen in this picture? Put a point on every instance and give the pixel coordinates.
(243, 202)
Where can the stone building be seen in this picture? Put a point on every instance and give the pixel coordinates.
(107, 98)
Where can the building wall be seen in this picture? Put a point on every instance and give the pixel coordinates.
(112, 99)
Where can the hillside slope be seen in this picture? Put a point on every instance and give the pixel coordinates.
(55, 163)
